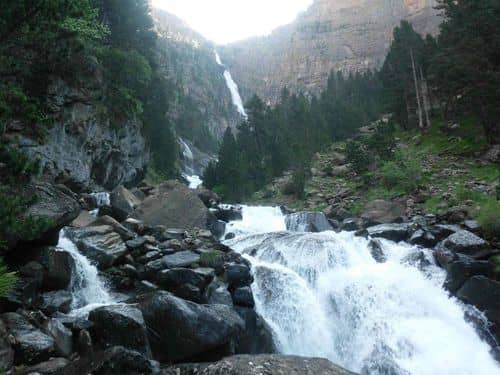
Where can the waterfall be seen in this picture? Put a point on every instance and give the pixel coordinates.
(102, 199)
(87, 288)
(325, 296)
(233, 88)
(189, 171)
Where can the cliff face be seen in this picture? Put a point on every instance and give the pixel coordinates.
(346, 35)
(189, 61)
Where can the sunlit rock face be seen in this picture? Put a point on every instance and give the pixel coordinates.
(347, 35)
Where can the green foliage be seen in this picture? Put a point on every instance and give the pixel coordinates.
(358, 156)
(7, 279)
(212, 259)
(403, 174)
(383, 141)
(298, 182)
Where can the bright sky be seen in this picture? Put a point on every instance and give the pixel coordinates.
(225, 21)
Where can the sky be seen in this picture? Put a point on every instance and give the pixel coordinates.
(225, 21)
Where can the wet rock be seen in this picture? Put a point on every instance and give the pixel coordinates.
(351, 224)
(123, 202)
(134, 225)
(230, 236)
(243, 297)
(180, 329)
(59, 300)
(84, 219)
(472, 225)
(49, 367)
(227, 213)
(377, 251)
(257, 338)
(263, 364)
(217, 294)
(465, 242)
(218, 228)
(136, 243)
(382, 212)
(393, 232)
(33, 270)
(442, 231)
(100, 244)
(120, 325)
(459, 271)
(59, 267)
(208, 197)
(307, 222)
(63, 337)
(30, 344)
(125, 233)
(6, 351)
(181, 259)
(185, 283)
(238, 275)
(423, 238)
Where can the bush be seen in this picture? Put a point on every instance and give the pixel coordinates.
(403, 173)
(7, 279)
(358, 156)
(383, 142)
(489, 218)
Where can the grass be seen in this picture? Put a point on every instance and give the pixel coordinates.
(7, 280)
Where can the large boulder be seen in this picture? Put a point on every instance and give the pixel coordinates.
(460, 270)
(58, 300)
(123, 202)
(49, 367)
(173, 205)
(6, 351)
(228, 212)
(393, 232)
(263, 364)
(464, 242)
(100, 244)
(180, 330)
(257, 338)
(382, 212)
(30, 344)
(181, 259)
(120, 325)
(186, 283)
(307, 222)
(59, 266)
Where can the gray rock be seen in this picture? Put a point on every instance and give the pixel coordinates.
(264, 364)
(423, 238)
(100, 244)
(307, 222)
(217, 294)
(125, 233)
(136, 243)
(393, 232)
(63, 337)
(377, 251)
(459, 271)
(59, 267)
(238, 275)
(6, 351)
(243, 297)
(465, 242)
(180, 329)
(31, 345)
(59, 300)
(382, 212)
(257, 338)
(181, 259)
(120, 325)
(351, 224)
(472, 225)
(185, 283)
(49, 367)
(227, 213)
(123, 202)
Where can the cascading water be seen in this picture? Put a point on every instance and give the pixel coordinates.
(189, 173)
(233, 88)
(102, 199)
(87, 288)
(324, 295)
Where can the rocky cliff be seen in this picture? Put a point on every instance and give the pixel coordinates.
(346, 35)
(189, 61)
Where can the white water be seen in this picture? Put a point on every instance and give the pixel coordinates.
(87, 288)
(102, 199)
(233, 88)
(189, 173)
(324, 295)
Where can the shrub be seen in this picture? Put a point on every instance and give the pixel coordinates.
(383, 142)
(403, 173)
(358, 156)
(489, 218)
(7, 279)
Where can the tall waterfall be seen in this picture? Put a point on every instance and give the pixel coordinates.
(233, 88)
(87, 288)
(324, 295)
(189, 171)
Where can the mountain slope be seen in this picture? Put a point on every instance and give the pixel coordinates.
(347, 35)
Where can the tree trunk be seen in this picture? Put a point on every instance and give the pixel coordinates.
(417, 92)
(425, 97)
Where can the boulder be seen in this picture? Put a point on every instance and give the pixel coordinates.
(6, 351)
(63, 337)
(217, 294)
(376, 250)
(493, 154)
(100, 244)
(263, 364)
(120, 325)
(459, 271)
(49, 367)
(84, 219)
(59, 267)
(227, 213)
(307, 222)
(123, 203)
(243, 297)
(442, 231)
(257, 338)
(483, 293)
(125, 233)
(393, 232)
(464, 242)
(113, 361)
(238, 275)
(185, 283)
(30, 344)
(208, 197)
(423, 238)
(351, 224)
(59, 300)
(382, 212)
(180, 330)
(181, 259)
(173, 205)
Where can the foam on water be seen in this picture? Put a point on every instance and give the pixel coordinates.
(324, 295)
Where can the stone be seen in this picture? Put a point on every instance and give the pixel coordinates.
(84, 219)
(123, 202)
(31, 345)
(6, 351)
(472, 225)
(134, 225)
(185, 283)
(59, 267)
(52, 366)
(393, 232)
(63, 337)
(33, 270)
(382, 212)
(238, 275)
(465, 242)
(423, 238)
(263, 364)
(208, 197)
(120, 325)
(218, 228)
(136, 243)
(217, 294)
(227, 213)
(181, 259)
(493, 154)
(180, 330)
(125, 233)
(100, 244)
(459, 271)
(175, 206)
(442, 231)
(243, 297)
(351, 224)
(307, 222)
(376, 250)
(59, 300)
(257, 338)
